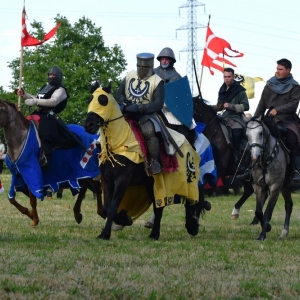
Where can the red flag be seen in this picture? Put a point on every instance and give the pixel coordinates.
(28, 40)
(215, 46)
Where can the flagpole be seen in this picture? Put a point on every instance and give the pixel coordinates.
(20, 77)
(200, 82)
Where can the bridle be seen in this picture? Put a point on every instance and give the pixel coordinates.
(265, 162)
(108, 121)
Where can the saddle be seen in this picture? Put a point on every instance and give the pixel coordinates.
(227, 131)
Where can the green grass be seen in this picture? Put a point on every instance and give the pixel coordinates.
(63, 260)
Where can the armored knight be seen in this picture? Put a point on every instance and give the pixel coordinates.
(51, 99)
(168, 73)
(141, 95)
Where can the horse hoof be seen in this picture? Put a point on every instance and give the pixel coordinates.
(284, 234)
(235, 213)
(207, 205)
(255, 221)
(148, 224)
(78, 218)
(34, 224)
(49, 195)
(155, 238)
(59, 195)
(103, 237)
(269, 227)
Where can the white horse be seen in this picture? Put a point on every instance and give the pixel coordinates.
(270, 170)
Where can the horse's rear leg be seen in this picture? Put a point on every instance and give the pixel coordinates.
(286, 193)
(191, 219)
(77, 205)
(98, 194)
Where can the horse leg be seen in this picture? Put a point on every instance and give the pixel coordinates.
(260, 193)
(59, 193)
(78, 202)
(288, 204)
(191, 219)
(266, 226)
(113, 194)
(98, 194)
(32, 214)
(248, 191)
(203, 205)
(155, 232)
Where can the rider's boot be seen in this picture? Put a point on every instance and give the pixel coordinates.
(153, 148)
(296, 171)
(240, 169)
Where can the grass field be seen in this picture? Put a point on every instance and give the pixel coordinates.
(63, 260)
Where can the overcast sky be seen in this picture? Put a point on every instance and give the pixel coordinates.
(264, 31)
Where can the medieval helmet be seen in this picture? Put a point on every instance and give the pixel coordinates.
(58, 75)
(166, 52)
(145, 64)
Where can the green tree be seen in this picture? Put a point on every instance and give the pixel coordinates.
(80, 52)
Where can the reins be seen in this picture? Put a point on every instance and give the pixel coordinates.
(267, 161)
(108, 121)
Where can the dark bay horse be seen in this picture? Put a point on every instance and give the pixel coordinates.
(270, 170)
(122, 166)
(23, 152)
(223, 154)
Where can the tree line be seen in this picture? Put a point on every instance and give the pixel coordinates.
(80, 51)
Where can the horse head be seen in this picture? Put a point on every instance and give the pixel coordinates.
(102, 108)
(203, 112)
(258, 135)
(10, 113)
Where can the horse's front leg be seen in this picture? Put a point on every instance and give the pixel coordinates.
(155, 232)
(266, 226)
(33, 214)
(261, 194)
(288, 204)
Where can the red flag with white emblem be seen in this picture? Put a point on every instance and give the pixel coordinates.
(215, 50)
(28, 40)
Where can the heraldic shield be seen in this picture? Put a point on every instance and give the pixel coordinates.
(178, 98)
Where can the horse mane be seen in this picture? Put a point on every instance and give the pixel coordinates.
(206, 103)
(21, 115)
(272, 126)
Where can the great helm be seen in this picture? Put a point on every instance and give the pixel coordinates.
(145, 64)
(166, 52)
(58, 75)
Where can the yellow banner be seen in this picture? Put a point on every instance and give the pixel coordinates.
(248, 83)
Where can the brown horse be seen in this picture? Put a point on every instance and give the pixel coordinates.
(12, 121)
(223, 154)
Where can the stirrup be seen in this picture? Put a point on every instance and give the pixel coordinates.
(43, 161)
(295, 176)
(154, 167)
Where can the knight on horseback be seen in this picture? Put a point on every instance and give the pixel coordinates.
(168, 73)
(281, 97)
(141, 95)
(233, 101)
(51, 100)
